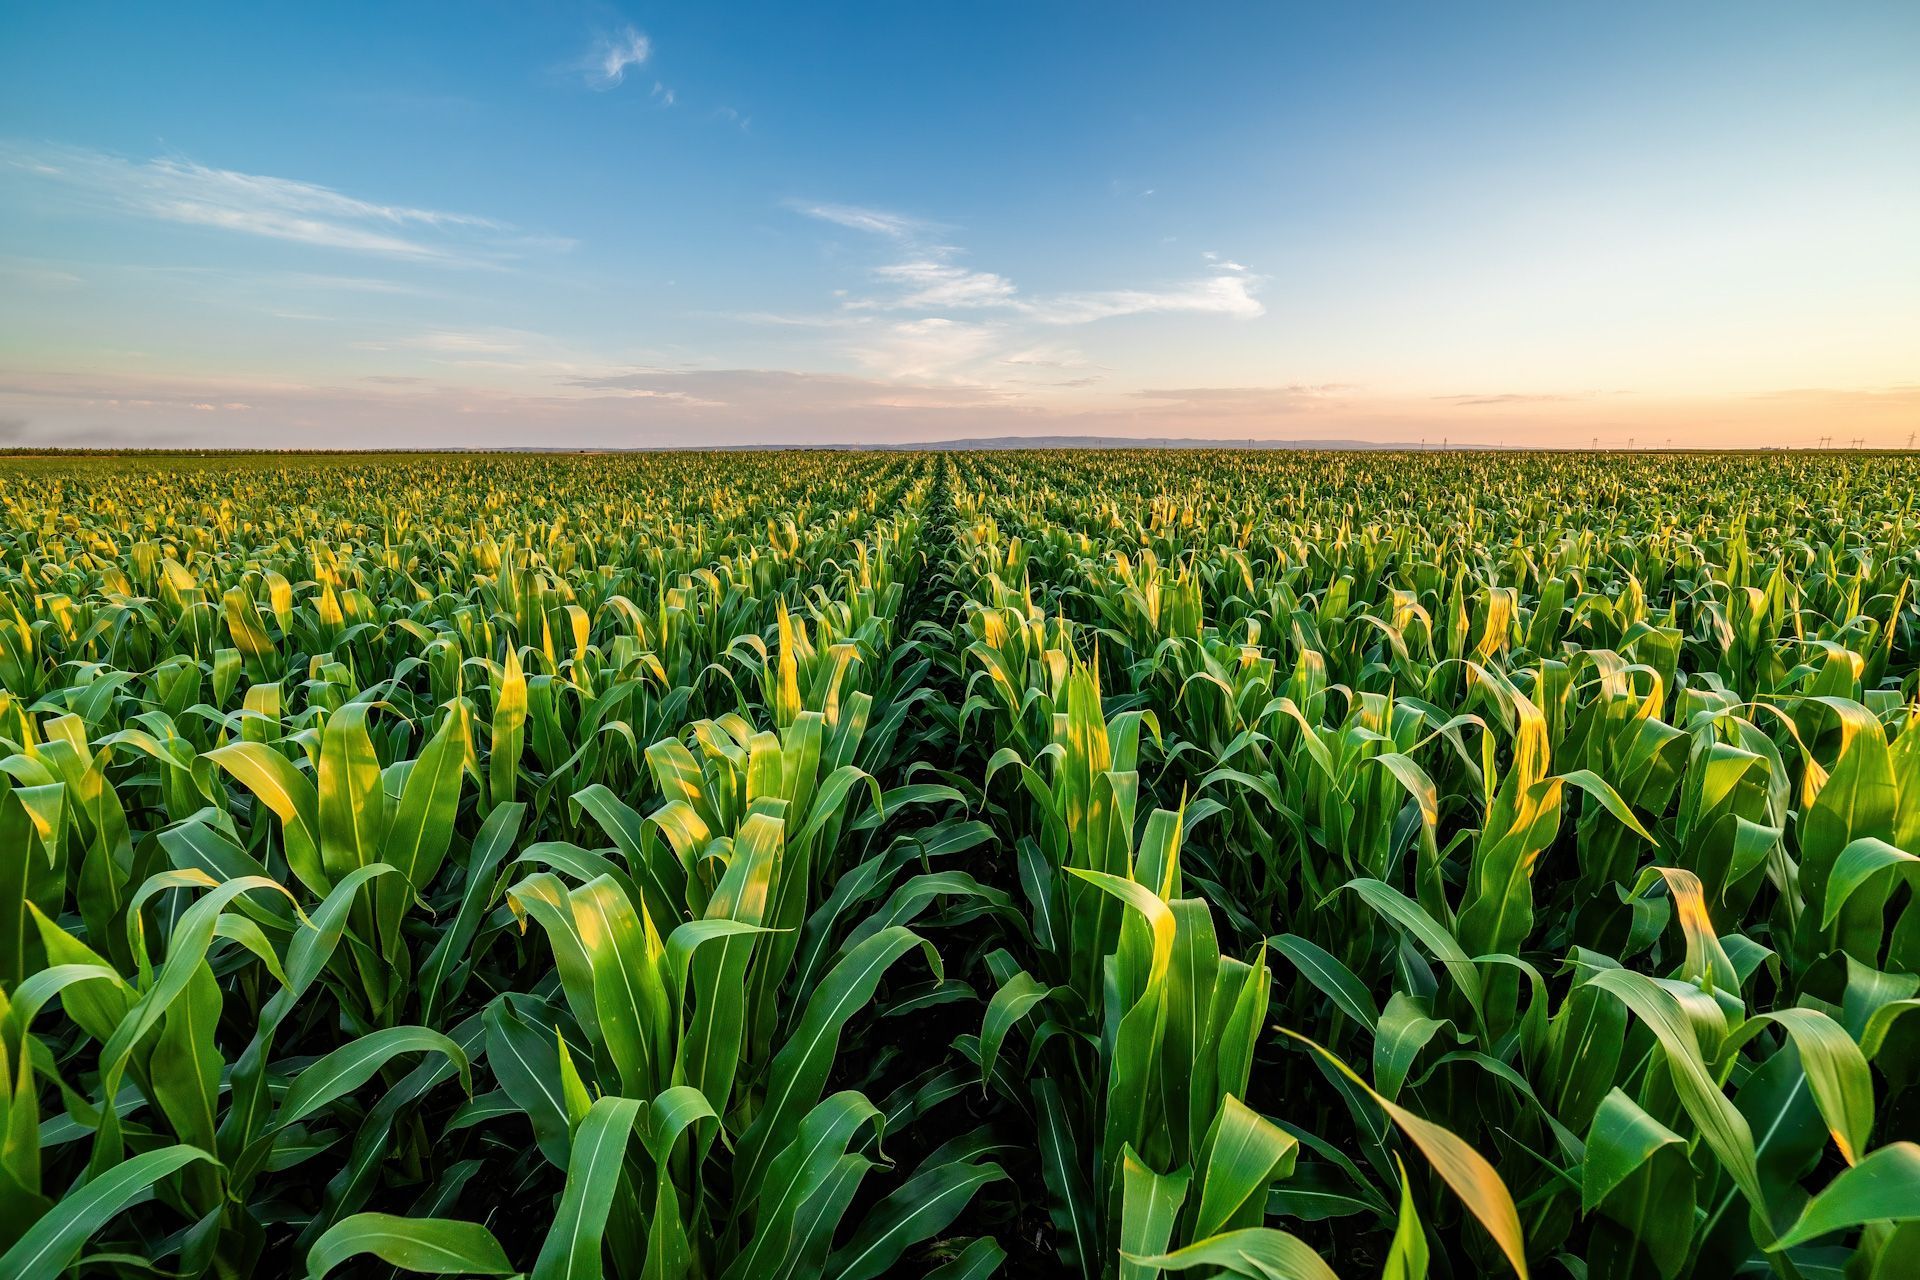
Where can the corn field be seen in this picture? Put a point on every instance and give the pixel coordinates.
(1105, 865)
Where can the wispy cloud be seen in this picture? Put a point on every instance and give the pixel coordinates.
(203, 282)
(39, 275)
(605, 65)
(1048, 356)
(927, 283)
(350, 284)
(764, 399)
(932, 279)
(450, 342)
(879, 222)
(174, 189)
(1225, 294)
(933, 347)
(665, 96)
(937, 285)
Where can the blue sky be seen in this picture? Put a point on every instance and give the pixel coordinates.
(597, 224)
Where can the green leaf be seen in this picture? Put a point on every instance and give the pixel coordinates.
(800, 1069)
(509, 730)
(572, 1247)
(1013, 1001)
(1246, 1154)
(1258, 1252)
(1149, 1205)
(352, 1065)
(1636, 1173)
(1858, 863)
(422, 830)
(1463, 1168)
(1403, 1032)
(435, 1246)
(352, 808)
(1407, 1253)
(525, 1060)
(490, 847)
(1333, 979)
(977, 1261)
(185, 1065)
(1883, 1187)
(1070, 1200)
(1440, 944)
(274, 781)
(800, 1169)
(709, 1055)
(1721, 1125)
(923, 1206)
(50, 1245)
(1836, 1072)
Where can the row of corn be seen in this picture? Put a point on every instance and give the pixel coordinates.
(1110, 864)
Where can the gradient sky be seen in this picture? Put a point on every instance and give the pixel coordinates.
(583, 224)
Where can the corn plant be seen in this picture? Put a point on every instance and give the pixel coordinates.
(1118, 863)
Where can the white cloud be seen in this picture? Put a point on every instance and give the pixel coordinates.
(933, 281)
(929, 348)
(279, 225)
(605, 66)
(942, 286)
(1048, 356)
(1229, 294)
(894, 226)
(939, 285)
(173, 189)
(667, 97)
(927, 279)
(489, 343)
(678, 397)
